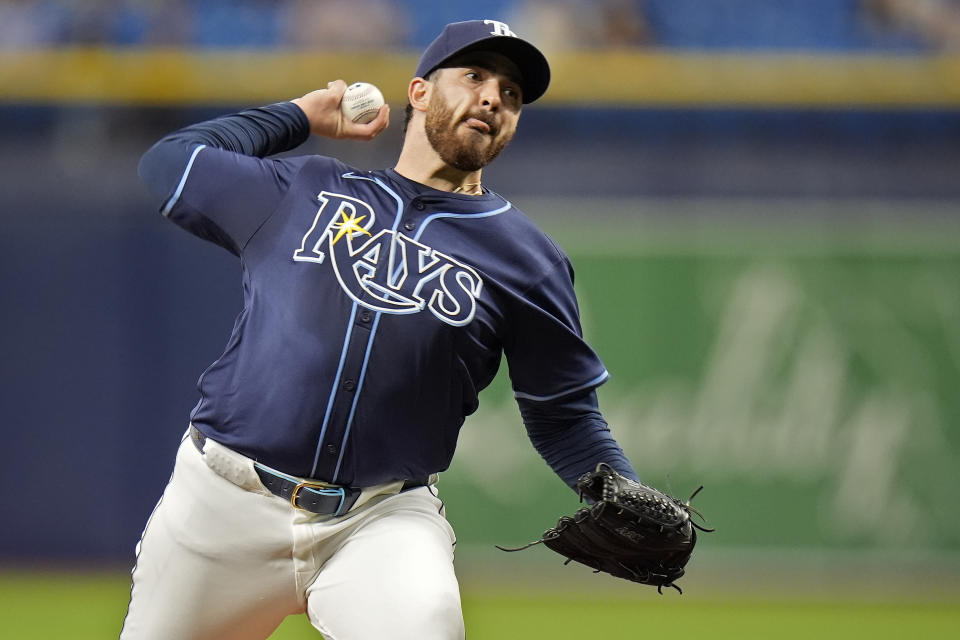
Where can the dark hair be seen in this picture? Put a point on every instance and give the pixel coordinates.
(407, 114)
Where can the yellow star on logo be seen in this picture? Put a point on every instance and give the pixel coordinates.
(348, 225)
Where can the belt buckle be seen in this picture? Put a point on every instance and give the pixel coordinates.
(323, 489)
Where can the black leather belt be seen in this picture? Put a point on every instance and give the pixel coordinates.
(313, 496)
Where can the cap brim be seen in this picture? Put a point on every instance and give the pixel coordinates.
(534, 68)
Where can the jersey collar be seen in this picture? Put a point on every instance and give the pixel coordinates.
(413, 190)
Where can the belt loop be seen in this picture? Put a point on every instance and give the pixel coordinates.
(342, 508)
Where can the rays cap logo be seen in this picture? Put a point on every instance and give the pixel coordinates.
(489, 35)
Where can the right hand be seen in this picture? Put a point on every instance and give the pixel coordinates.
(322, 108)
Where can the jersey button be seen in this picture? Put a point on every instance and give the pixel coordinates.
(409, 226)
(365, 316)
(349, 385)
(332, 449)
(419, 206)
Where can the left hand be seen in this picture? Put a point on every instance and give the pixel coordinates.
(632, 531)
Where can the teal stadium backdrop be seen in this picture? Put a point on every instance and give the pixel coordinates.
(810, 388)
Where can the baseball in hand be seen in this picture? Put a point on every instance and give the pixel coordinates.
(361, 101)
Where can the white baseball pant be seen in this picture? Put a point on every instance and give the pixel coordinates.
(223, 558)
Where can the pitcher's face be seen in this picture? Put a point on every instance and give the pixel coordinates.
(473, 110)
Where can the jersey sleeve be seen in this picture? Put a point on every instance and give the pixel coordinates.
(573, 437)
(212, 179)
(224, 196)
(546, 354)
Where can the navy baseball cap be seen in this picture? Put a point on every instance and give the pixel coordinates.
(489, 35)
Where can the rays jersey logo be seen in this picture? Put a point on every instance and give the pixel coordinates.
(386, 270)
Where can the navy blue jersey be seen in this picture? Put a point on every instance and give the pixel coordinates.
(375, 310)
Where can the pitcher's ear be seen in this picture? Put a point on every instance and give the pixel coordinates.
(418, 93)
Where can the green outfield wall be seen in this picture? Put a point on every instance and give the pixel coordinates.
(807, 379)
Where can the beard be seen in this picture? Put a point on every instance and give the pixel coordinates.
(443, 133)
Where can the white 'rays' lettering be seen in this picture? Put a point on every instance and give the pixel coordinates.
(345, 219)
(388, 271)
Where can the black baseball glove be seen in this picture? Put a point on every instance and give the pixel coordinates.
(631, 531)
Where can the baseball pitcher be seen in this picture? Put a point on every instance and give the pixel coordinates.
(377, 304)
